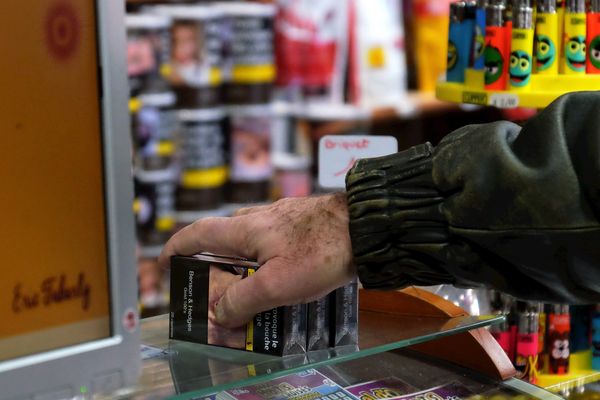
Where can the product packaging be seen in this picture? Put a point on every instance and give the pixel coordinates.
(309, 384)
(386, 388)
(154, 128)
(318, 324)
(250, 149)
(377, 75)
(154, 207)
(195, 54)
(311, 50)
(248, 52)
(547, 43)
(497, 48)
(574, 38)
(559, 329)
(198, 282)
(454, 390)
(344, 316)
(202, 159)
(593, 38)
(148, 53)
(521, 56)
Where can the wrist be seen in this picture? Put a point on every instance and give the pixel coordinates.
(394, 210)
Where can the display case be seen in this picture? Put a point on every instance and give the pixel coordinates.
(420, 345)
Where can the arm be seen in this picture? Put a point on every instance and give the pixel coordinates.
(495, 205)
(492, 205)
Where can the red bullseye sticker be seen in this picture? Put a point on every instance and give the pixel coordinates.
(62, 30)
(130, 320)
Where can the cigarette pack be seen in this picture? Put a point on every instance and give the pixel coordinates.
(344, 316)
(318, 324)
(197, 284)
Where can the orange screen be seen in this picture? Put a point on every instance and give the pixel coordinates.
(54, 287)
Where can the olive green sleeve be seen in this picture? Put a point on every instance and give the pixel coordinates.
(492, 205)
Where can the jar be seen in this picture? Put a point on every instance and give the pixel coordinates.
(248, 52)
(195, 53)
(202, 159)
(148, 53)
(154, 127)
(154, 206)
(250, 152)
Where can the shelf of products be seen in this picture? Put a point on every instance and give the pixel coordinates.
(174, 367)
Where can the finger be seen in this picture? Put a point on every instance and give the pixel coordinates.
(225, 236)
(248, 210)
(270, 287)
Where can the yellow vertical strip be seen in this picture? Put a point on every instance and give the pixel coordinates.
(250, 326)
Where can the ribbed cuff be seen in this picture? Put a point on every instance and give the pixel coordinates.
(396, 224)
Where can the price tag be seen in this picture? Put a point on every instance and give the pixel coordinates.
(337, 154)
(504, 100)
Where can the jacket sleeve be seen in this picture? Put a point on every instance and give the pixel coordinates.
(492, 205)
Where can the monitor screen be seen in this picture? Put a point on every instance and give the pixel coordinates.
(54, 279)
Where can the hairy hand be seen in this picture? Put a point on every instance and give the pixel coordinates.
(302, 244)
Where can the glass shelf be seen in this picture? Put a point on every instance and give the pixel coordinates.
(189, 370)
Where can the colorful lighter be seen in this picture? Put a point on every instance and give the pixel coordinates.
(559, 329)
(460, 35)
(546, 38)
(501, 332)
(479, 36)
(521, 54)
(593, 39)
(527, 345)
(542, 323)
(496, 48)
(574, 37)
(596, 339)
(560, 20)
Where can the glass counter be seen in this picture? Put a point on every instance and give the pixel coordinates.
(192, 370)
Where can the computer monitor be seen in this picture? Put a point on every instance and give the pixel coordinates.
(68, 309)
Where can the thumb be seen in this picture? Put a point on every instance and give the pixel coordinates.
(248, 297)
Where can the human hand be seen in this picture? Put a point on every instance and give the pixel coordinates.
(302, 244)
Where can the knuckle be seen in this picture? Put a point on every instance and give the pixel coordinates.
(270, 290)
(242, 211)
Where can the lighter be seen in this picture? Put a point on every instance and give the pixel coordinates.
(496, 48)
(527, 345)
(596, 339)
(521, 59)
(593, 38)
(479, 36)
(460, 35)
(559, 329)
(574, 37)
(546, 38)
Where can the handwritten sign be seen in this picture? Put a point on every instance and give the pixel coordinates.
(337, 154)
